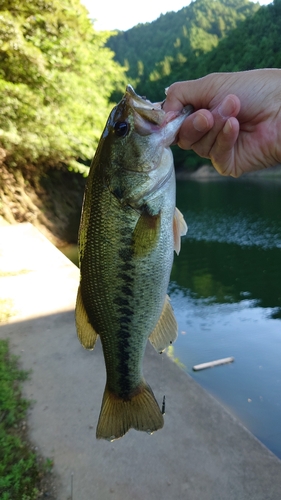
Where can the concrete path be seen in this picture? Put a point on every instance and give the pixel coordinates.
(202, 453)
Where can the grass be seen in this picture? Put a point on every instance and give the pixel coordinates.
(21, 471)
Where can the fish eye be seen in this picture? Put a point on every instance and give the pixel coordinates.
(121, 129)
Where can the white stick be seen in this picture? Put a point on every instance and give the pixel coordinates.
(210, 364)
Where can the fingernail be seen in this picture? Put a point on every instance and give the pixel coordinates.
(227, 107)
(227, 127)
(200, 122)
(166, 90)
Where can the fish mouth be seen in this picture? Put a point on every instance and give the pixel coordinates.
(150, 117)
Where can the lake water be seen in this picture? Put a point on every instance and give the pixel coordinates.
(226, 292)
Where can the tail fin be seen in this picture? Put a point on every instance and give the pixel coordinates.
(117, 415)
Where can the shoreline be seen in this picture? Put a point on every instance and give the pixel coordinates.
(207, 173)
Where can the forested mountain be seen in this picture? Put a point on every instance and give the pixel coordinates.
(255, 43)
(160, 52)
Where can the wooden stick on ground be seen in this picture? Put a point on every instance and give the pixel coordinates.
(211, 364)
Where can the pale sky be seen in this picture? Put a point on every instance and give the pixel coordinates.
(124, 14)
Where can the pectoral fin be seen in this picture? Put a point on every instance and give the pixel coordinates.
(166, 330)
(146, 234)
(180, 229)
(86, 333)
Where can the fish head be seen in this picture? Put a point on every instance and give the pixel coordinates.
(136, 157)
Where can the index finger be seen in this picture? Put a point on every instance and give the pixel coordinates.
(175, 98)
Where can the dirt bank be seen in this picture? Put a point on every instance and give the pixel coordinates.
(51, 203)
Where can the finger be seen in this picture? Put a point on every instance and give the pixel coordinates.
(223, 153)
(229, 107)
(200, 93)
(195, 127)
(176, 97)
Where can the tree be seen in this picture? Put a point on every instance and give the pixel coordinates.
(56, 82)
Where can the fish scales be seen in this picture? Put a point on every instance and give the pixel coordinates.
(126, 290)
(128, 231)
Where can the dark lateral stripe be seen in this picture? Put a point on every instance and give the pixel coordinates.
(124, 231)
(126, 277)
(126, 267)
(124, 320)
(121, 301)
(126, 311)
(125, 253)
(127, 291)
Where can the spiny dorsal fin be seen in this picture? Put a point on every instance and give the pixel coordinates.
(180, 229)
(86, 333)
(146, 234)
(166, 330)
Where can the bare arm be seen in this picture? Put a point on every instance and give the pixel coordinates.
(237, 119)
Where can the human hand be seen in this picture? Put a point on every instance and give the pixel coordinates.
(237, 119)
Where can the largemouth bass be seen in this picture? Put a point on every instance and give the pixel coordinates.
(128, 232)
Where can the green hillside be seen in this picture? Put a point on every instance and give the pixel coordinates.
(166, 49)
(254, 44)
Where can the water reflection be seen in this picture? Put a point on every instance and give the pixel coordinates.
(226, 292)
(233, 244)
(227, 272)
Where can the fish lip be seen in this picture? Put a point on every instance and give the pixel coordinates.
(147, 103)
(150, 117)
(139, 101)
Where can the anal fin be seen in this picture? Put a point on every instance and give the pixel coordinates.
(86, 333)
(166, 330)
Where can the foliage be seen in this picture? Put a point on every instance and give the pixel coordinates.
(19, 470)
(253, 44)
(168, 49)
(56, 79)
